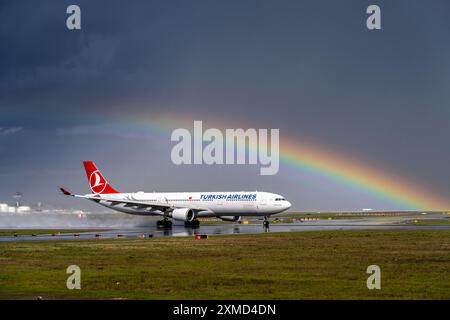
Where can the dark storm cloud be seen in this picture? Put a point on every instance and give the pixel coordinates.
(249, 53)
(310, 68)
(54, 65)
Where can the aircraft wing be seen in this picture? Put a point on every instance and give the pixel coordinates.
(140, 204)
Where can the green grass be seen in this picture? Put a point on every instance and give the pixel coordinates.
(304, 265)
(23, 232)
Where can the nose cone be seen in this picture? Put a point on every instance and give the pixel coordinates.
(288, 205)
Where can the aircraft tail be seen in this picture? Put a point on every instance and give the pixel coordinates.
(97, 182)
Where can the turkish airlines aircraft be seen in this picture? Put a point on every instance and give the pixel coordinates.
(182, 206)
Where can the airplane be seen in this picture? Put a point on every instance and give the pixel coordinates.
(182, 206)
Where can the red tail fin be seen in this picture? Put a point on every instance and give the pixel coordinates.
(97, 182)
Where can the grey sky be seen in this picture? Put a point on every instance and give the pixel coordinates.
(310, 68)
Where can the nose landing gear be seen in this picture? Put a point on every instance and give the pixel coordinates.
(266, 223)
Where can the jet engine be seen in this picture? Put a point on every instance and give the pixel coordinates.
(230, 218)
(183, 214)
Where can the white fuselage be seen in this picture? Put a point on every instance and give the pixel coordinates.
(206, 204)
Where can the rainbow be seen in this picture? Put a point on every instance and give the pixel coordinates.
(295, 153)
(359, 175)
(312, 158)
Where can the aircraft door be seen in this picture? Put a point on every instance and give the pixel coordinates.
(261, 204)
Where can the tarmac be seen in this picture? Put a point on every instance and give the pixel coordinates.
(149, 229)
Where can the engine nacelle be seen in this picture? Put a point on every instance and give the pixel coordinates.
(183, 214)
(230, 218)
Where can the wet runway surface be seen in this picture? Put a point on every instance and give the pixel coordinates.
(151, 230)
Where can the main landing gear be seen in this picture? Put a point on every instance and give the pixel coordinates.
(194, 223)
(164, 223)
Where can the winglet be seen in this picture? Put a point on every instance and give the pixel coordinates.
(64, 191)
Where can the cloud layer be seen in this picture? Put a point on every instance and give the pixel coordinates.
(9, 131)
(309, 68)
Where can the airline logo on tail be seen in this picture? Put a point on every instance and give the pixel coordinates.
(97, 182)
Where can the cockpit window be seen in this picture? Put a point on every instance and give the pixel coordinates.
(280, 199)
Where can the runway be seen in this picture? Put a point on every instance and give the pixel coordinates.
(179, 230)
